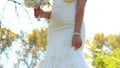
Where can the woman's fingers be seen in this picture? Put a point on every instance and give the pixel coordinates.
(76, 42)
(79, 44)
(38, 11)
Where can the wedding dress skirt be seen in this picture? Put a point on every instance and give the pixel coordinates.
(60, 53)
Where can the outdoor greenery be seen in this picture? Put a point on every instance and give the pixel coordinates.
(105, 50)
(30, 46)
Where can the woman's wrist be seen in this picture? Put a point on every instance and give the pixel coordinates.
(46, 15)
(76, 33)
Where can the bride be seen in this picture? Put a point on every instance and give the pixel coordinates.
(66, 34)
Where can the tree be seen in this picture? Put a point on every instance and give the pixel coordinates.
(36, 43)
(6, 38)
(30, 45)
(38, 40)
(105, 50)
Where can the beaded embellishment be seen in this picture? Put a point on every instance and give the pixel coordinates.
(69, 1)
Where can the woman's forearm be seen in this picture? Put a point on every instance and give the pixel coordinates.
(79, 15)
(78, 20)
(47, 14)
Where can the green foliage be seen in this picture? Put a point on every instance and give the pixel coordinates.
(6, 38)
(105, 51)
(114, 41)
(31, 45)
(38, 40)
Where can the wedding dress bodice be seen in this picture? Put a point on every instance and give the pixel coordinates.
(63, 14)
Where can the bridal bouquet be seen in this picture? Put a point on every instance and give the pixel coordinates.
(35, 3)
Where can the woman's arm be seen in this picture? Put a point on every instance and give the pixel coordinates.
(47, 14)
(79, 15)
(76, 39)
(38, 11)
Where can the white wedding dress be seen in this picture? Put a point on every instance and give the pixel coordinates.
(59, 53)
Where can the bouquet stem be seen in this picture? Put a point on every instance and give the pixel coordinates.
(38, 18)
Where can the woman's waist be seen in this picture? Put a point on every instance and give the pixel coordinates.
(63, 14)
(57, 27)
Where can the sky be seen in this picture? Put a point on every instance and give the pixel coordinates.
(100, 16)
(20, 22)
(103, 16)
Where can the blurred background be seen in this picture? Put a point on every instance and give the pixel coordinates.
(23, 38)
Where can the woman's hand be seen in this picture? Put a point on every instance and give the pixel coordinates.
(39, 12)
(76, 41)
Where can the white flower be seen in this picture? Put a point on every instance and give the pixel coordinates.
(35, 3)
